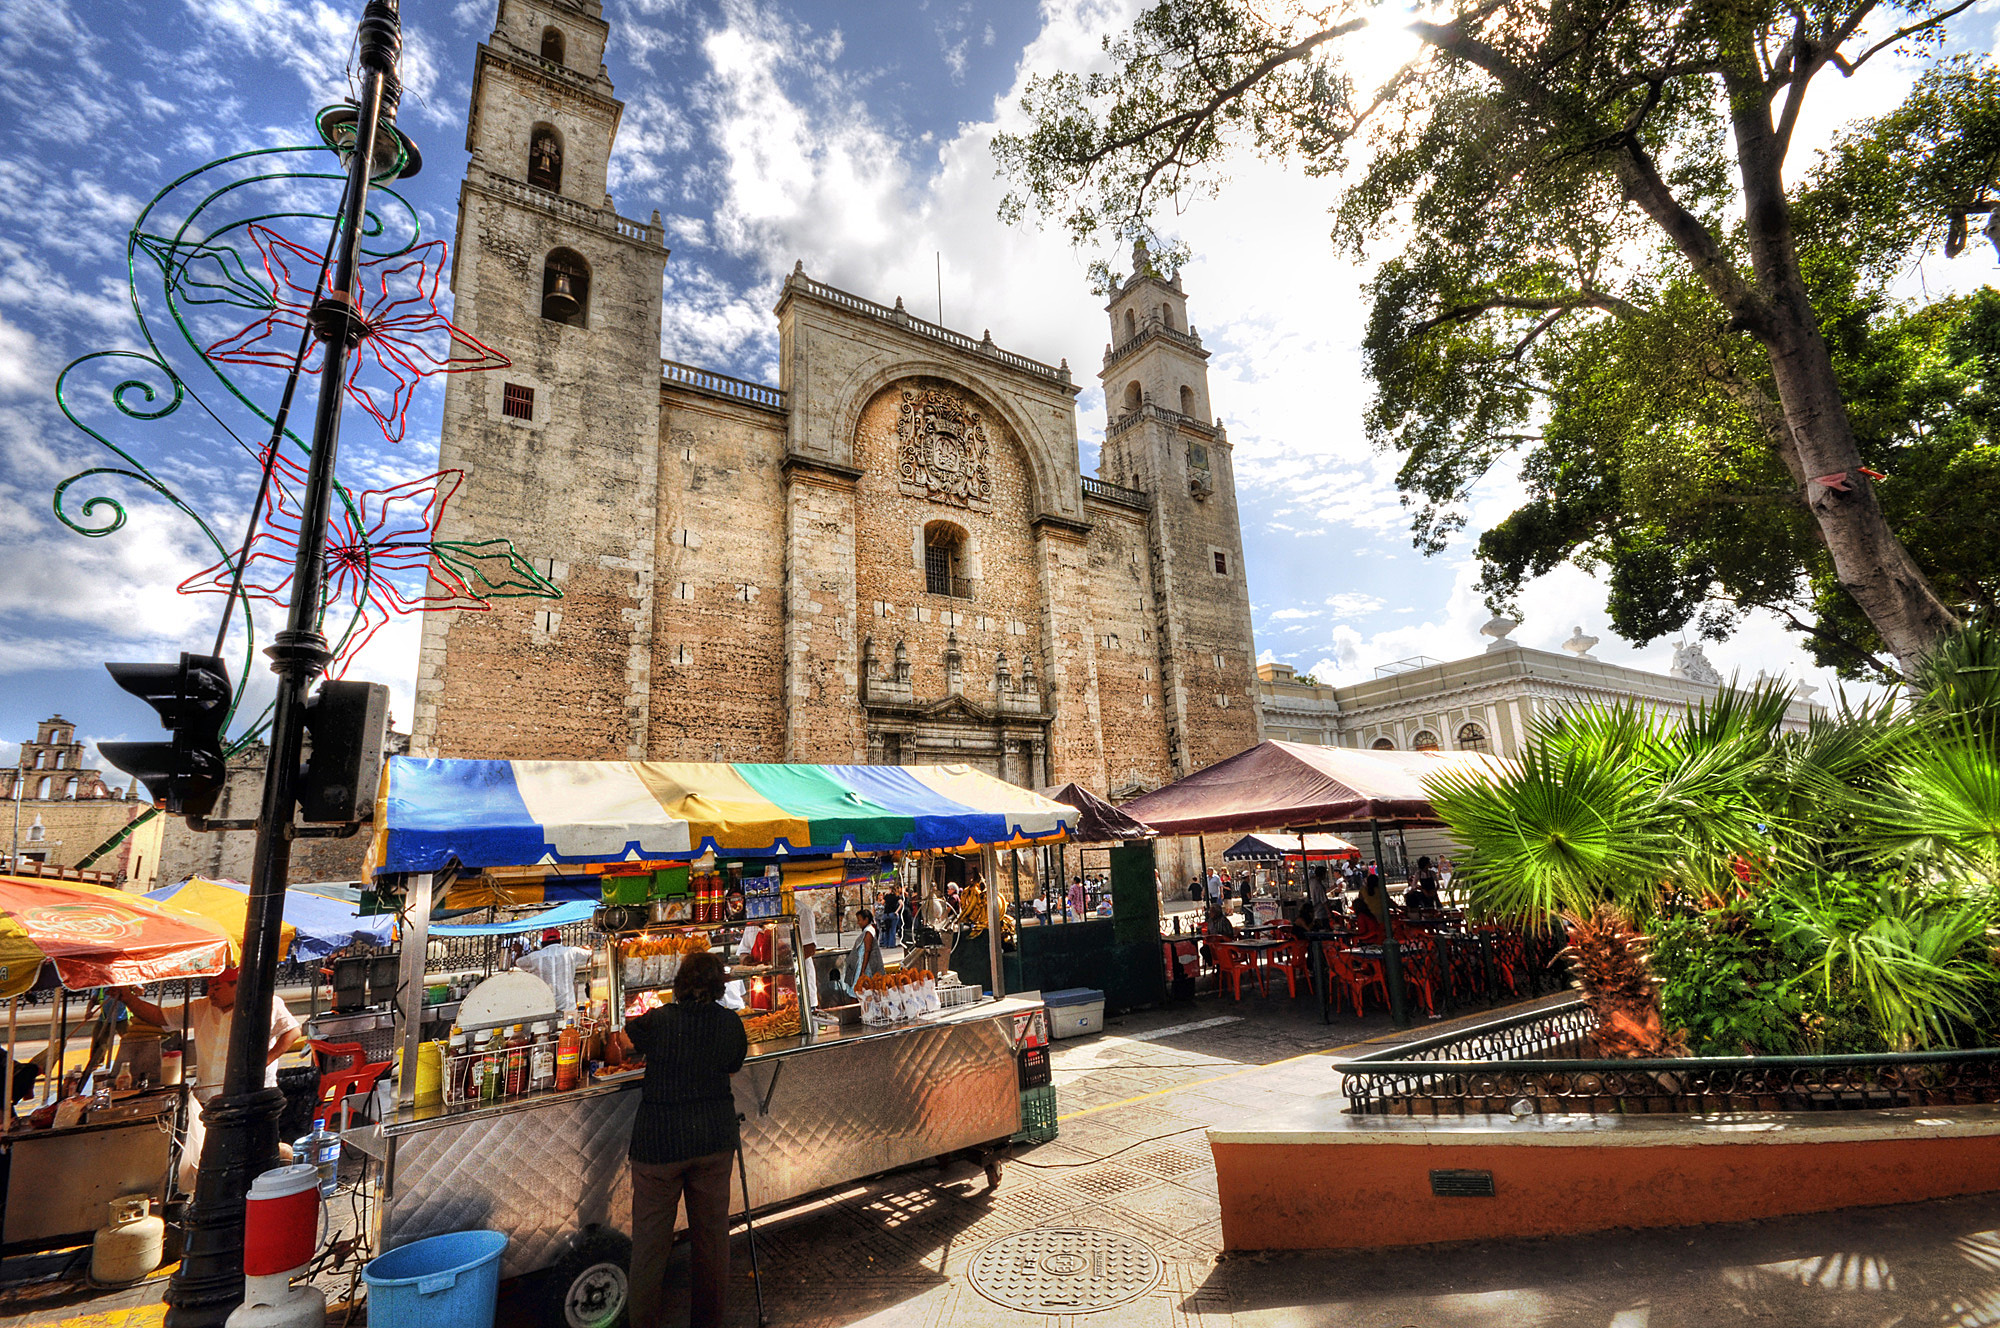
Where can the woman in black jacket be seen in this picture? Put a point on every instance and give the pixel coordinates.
(684, 1139)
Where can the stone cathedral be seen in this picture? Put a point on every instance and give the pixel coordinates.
(891, 556)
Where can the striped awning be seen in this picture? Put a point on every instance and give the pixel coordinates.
(436, 812)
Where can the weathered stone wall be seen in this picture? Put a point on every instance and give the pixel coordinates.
(1000, 557)
(1131, 714)
(719, 610)
(574, 485)
(73, 827)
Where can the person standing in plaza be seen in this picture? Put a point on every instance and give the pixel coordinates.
(683, 1141)
(891, 902)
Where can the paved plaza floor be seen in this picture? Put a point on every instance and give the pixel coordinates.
(1131, 1166)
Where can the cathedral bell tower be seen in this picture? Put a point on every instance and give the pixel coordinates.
(1162, 438)
(560, 450)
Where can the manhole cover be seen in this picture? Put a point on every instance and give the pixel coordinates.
(1054, 1270)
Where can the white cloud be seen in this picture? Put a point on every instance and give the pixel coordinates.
(21, 367)
(1352, 604)
(1296, 613)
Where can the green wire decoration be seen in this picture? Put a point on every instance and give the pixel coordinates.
(222, 241)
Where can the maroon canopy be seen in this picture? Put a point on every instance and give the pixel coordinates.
(1101, 822)
(1289, 785)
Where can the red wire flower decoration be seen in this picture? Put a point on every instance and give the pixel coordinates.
(383, 557)
(408, 338)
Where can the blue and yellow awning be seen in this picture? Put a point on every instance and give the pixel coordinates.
(436, 812)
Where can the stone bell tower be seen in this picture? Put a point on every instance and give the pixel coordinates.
(560, 450)
(1161, 437)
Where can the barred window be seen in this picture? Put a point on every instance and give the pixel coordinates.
(944, 560)
(517, 401)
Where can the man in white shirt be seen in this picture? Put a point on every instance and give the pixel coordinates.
(1214, 887)
(208, 1020)
(555, 964)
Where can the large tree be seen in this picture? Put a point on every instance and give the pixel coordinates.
(1578, 189)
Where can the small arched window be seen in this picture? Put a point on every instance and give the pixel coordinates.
(552, 44)
(1131, 325)
(1167, 317)
(566, 288)
(944, 560)
(1425, 741)
(1472, 738)
(42, 788)
(1134, 395)
(545, 156)
(41, 760)
(69, 789)
(37, 832)
(1187, 401)
(1384, 744)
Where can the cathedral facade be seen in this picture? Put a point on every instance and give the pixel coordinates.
(890, 556)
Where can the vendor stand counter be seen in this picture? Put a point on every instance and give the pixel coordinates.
(56, 1185)
(848, 1104)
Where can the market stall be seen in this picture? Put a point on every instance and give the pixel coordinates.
(701, 852)
(62, 1166)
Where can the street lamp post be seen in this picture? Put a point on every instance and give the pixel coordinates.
(242, 1122)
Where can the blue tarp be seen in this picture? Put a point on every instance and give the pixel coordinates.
(323, 925)
(560, 916)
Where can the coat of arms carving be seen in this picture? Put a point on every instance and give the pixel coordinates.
(942, 449)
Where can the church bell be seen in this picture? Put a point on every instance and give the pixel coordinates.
(560, 301)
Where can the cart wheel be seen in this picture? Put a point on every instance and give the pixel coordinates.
(588, 1286)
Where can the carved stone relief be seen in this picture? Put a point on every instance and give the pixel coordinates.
(942, 451)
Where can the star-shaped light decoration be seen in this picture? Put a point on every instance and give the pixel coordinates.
(383, 557)
(408, 338)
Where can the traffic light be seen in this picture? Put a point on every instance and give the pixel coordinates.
(185, 775)
(347, 724)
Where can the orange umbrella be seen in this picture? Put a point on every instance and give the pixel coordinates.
(99, 937)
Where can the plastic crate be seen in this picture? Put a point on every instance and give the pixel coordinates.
(1038, 1116)
(1036, 1071)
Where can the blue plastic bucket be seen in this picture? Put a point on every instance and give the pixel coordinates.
(449, 1281)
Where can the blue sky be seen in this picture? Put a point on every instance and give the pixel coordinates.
(852, 136)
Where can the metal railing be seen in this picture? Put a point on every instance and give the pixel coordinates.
(1117, 493)
(903, 318)
(722, 385)
(1534, 1064)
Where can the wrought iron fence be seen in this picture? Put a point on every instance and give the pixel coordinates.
(1533, 1065)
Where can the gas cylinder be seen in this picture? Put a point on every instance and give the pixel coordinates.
(271, 1301)
(131, 1246)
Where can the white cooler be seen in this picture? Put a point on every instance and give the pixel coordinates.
(1074, 1012)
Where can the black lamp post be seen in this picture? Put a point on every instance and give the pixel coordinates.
(242, 1122)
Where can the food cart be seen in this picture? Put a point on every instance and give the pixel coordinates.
(60, 1169)
(823, 1101)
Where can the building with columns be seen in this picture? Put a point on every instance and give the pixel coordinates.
(889, 556)
(1481, 703)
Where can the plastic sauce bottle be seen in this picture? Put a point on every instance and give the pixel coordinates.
(492, 1068)
(457, 1069)
(517, 1061)
(569, 1058)
(542, 1059)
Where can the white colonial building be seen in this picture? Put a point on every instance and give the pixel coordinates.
(1483, 702)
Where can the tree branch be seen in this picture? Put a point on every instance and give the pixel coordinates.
(1848, 67)
(1556, 305)
(1840, 643)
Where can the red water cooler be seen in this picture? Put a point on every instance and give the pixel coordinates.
(280, 1234)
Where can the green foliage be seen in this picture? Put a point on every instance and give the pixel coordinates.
(1844, 876)
(1598, 252)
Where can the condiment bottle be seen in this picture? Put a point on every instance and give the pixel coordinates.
(492, 1068)
(517, 1061)
(542, 1058)
(569, 1058)
(457, 1068)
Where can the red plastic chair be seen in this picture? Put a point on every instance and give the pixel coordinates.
(1294, 962)
(1356, 974)
(337, 1082)
(1230, 965)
